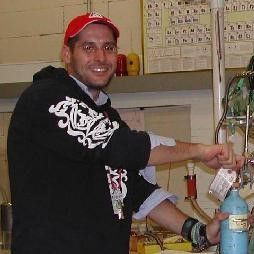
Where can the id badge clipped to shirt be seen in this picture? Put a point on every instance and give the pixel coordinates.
(117, 203)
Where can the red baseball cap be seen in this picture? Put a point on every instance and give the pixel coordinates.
(80, 22)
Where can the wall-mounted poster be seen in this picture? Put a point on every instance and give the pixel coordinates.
(177, 34)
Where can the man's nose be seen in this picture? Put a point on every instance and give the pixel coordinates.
(100, 54)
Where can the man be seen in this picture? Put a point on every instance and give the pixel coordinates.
(74, 164)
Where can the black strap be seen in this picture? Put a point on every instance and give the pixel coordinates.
(187, 227)
(203, 242)
(195, 232)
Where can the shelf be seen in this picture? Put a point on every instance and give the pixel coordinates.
(197, 80)
(162, 82)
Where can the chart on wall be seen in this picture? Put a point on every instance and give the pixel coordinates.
(177, 35)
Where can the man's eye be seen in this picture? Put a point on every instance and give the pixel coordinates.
(110, 48)
(88, 48)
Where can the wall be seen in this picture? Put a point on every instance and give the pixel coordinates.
(32, 30)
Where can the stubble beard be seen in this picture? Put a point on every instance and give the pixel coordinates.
(99, 87)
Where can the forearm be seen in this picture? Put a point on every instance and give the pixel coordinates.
(167, 154)
(213, 156)
(167, 215)
(171, 218)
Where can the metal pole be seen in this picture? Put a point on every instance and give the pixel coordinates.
(218, 61)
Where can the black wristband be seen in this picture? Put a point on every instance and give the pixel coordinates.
(187, 228)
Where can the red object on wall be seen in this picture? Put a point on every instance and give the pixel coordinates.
(121, 69)
(191, 186)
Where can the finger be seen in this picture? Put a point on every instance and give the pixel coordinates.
(250, 219)
(240, 160)
(220, 216)
(236, 164)
(228, 163)
(225, 153)
(230, 166)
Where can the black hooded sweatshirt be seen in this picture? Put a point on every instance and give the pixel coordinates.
(66, 157)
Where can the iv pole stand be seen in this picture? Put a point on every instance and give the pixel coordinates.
(218, 63)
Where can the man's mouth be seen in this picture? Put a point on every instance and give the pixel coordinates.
(99, 69)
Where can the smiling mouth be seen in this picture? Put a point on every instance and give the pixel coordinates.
(100, 69)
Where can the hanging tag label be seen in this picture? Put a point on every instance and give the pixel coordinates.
(222, 182)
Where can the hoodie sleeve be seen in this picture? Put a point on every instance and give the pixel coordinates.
(70, 127)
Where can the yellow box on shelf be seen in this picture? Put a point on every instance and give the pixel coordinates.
(144, 248)
(186, 246)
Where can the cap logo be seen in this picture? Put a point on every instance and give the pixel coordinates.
(95, 15)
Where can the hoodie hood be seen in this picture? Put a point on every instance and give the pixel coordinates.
(59, 77)
(50, 72)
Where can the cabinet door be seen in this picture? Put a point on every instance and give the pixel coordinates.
(71, 11)
(126, 14)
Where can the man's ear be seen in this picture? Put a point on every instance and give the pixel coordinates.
(65, 54)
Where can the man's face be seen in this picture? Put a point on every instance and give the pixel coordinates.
(93, 59)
